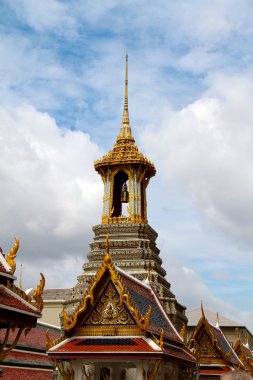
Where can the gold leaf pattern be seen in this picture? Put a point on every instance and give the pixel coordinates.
(109, 310)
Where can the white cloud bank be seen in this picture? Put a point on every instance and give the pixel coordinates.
(207, 147)
(48, 188)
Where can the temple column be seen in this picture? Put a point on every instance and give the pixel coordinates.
(139, 371)
(77, 366)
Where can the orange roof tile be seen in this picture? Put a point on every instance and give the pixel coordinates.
(12, 301)
(104, 345)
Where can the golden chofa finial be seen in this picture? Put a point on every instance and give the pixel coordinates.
(10, 259)
(38, 292)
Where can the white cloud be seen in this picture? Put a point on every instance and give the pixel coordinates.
(45, 15)
(191, 290)
(49, 189)
(207, 147)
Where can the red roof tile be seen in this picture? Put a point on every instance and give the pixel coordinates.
(12, 301)
(37, 337)
(180, 353)
(104, 345)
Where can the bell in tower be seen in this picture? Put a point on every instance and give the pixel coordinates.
(124, 194)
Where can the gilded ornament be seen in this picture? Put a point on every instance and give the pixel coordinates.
(10, 259)
(49, 341)
(183, 331)
(38, 292)
(65, 370)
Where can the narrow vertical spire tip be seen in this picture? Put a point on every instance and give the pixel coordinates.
(125, 113)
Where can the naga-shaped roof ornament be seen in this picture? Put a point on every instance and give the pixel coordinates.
(10, 259)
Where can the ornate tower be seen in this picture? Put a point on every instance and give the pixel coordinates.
(126, 173)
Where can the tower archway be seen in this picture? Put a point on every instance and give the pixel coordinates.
(120, 193)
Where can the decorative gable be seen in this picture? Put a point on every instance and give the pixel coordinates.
(109, 310)
(205, 347)
(108, 305)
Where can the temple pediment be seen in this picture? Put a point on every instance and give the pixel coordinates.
(110, 310)
(107, 306)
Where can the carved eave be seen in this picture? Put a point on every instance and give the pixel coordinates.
(76, 324)
(124, 153)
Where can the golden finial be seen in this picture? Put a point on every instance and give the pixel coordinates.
(202, 310)
(37, 294)
(10, 259)
(49, 341)
(183, 331)
(161, 338)
(20, 278)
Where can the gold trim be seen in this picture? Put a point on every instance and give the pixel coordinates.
(88, 298)
(108, 331)
(38, 292)
(10, 259)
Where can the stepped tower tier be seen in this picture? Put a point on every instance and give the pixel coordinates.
(126, 173)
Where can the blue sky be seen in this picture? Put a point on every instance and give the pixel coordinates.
(190, 99)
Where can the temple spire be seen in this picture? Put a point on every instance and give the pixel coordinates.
(125, 112)
(125, 130)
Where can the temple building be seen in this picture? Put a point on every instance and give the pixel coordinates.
(125, 173)
(120, 330)
(245, 354)
(121, 319)
(231, 329)
(18, 315)
(213, 353)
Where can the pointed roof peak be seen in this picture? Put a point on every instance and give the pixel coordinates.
(125, 151)
(125, 131)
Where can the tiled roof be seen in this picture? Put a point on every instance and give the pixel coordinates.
(214, 370)
(105, 345)
(36, 340)
(225, 344)
(143, 296)
(12, 301)
(56, 294)
(179, 353)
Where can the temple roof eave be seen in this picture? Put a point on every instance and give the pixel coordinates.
(105, 162)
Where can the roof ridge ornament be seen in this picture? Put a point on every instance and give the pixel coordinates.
(202, 311)
(10, 259)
